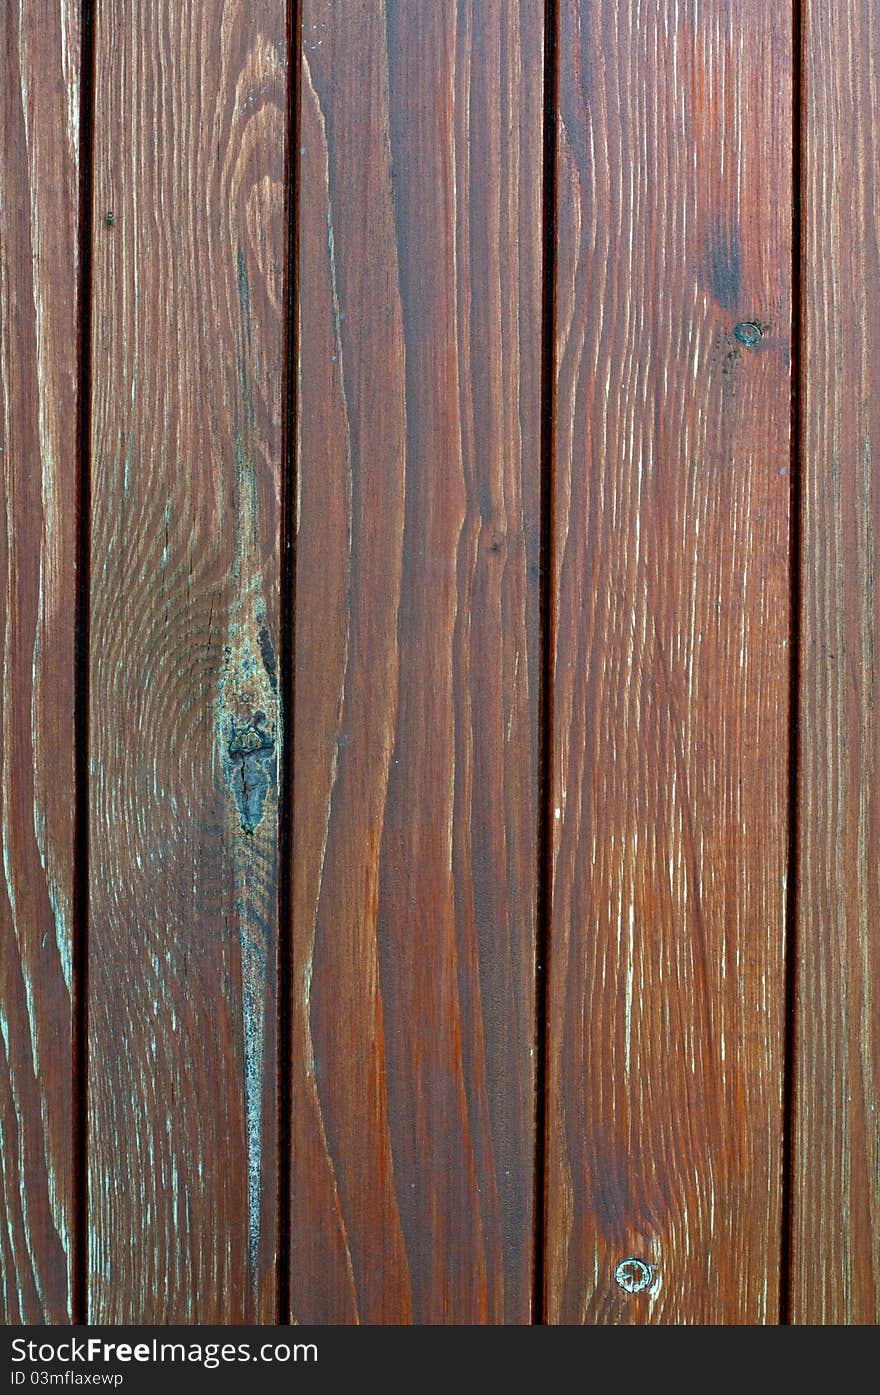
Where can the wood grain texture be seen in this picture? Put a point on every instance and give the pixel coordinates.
(669, 760)
(187, 354)
(416, 661)
(39, 263)
(836, 1173)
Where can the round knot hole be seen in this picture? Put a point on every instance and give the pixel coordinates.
(748, 332)
(633, 1275)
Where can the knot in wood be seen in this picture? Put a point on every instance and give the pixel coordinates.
(244, 741)
(633, 1275)
(748, 332)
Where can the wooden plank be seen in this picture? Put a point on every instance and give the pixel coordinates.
(416, 661)
(188, 342)
(836, 1147)
(39, 265)
(671, 602)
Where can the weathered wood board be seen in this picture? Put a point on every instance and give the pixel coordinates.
(671, 661)
(416, 662)
(39, 351)
(188, 344)
(836, 1152)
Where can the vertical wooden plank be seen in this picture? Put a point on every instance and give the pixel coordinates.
(188, 339)
(416, 661)
(836, 1152)
(39, 259)
(671, 663)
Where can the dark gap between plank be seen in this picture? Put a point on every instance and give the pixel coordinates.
(288, 639)
(790, 1003)
(545, 692)
(80, 929)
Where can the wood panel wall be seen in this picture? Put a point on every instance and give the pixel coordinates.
(438, 624)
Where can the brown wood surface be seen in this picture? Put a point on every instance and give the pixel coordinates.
(669, 762)
(39, 265)
(416, 662)
(414, 738)
(836, 1153)
(187, 364)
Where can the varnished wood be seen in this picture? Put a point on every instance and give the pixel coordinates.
(187, 354)
(416, 660)
(669, 760)
(413, 738)
(39, 268)
(836, 1153)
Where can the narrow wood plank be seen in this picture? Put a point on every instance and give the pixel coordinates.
(188, 337)
(671, 661)
(416, 661)
(39, 268)
(836, 1172)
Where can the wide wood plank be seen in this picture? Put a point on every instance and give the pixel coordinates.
(414, 873)
(39, 270)
(188, 341)
(836, 1173)
(669, 761)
